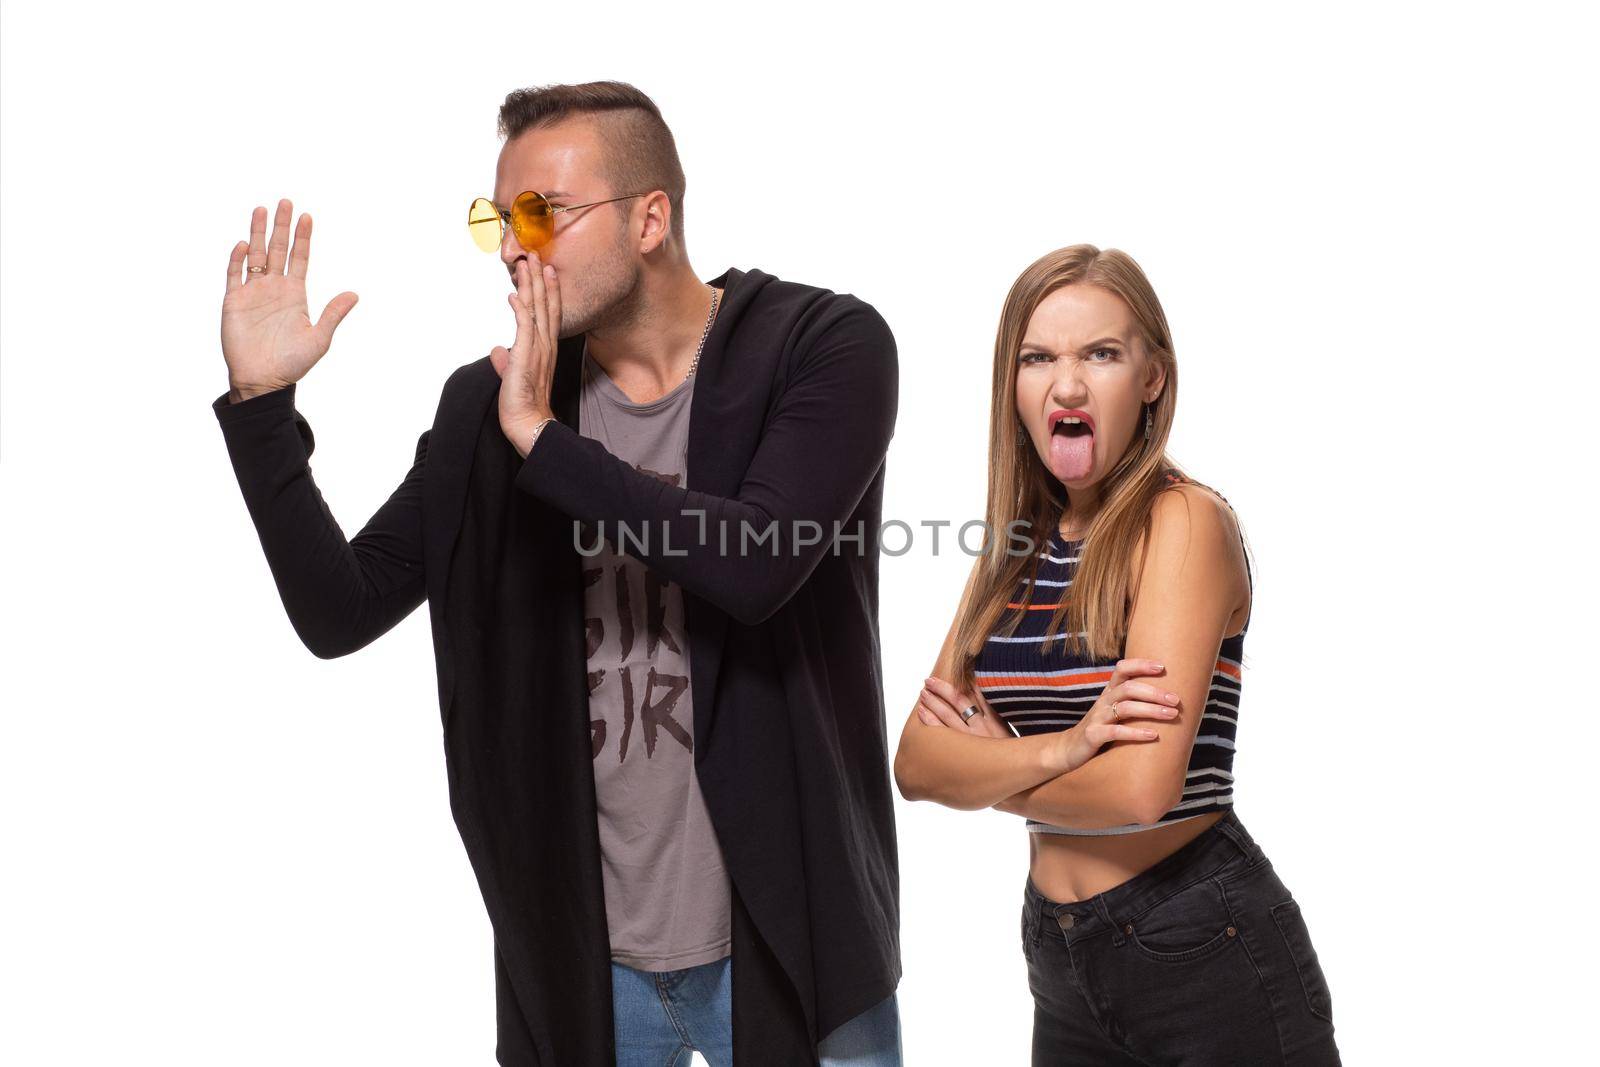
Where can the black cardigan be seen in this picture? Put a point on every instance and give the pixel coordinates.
(792, 413)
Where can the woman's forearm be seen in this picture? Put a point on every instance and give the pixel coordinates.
(1106, 791)
(972, 771)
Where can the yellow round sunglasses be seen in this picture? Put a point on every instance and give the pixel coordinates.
(532, 218)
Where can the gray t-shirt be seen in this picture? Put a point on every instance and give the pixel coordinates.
(667, 890)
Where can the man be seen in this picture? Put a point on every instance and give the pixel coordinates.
(648, 537)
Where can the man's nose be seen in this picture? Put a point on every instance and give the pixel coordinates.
(510, 248)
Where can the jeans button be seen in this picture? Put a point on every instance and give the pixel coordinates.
(1065, 921)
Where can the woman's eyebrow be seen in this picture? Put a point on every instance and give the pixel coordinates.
(1036, 346)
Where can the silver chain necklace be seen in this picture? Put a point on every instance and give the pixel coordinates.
(599, 417)
(716, 295)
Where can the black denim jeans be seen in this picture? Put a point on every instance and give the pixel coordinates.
(1202, 959)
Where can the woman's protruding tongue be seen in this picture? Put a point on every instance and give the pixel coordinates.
(1071, 454)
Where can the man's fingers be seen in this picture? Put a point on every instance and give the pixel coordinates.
(522, 346)
(300, 254)
(553, 287)
(536, 291)
(278, 247)
(516, 342)
(334, 314)
(236, 265)
(258, 239)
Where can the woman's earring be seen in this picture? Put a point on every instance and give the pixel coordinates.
(1149, 422)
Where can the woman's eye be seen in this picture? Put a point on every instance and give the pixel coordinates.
(1045, 357)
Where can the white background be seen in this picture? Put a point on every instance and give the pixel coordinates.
(1373, 231)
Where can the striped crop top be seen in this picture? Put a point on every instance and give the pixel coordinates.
(1035, 690)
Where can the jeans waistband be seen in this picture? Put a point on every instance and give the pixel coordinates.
(1223, 842)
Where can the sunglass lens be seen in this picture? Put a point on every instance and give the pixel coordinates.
(532, 220)
(483, 222)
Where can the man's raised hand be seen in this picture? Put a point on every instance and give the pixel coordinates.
(526, 369)
(268, 339)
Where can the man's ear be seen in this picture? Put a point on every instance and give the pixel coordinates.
(657, 228)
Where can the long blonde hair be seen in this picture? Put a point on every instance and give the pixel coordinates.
(1023, 491)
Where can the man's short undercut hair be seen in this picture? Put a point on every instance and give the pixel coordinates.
(640, 154)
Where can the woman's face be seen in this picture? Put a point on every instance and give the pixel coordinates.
(1082, 358)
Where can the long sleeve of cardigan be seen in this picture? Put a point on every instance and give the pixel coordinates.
(340, 594)
(822, 447)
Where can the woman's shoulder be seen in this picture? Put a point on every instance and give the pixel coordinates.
(1189, 518)
(1176, 485)
(1186, 508)
(1186, 512)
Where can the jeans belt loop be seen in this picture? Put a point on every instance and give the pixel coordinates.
(1116, 929)
(1235, 835)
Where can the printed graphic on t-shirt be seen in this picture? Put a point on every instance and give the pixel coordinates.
(646, 671)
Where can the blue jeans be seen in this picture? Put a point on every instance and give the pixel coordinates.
(662, 1015)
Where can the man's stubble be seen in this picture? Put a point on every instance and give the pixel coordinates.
(608, 296)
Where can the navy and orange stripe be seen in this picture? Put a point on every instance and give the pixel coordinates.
(1036, 686)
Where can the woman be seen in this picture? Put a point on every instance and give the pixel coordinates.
(1154, 927)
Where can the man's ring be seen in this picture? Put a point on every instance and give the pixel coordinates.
(972, 709)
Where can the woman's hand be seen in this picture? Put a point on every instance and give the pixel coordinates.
(527, 369)
(1133, 699)
(268, 339)
(1123, 698)
(941, 704)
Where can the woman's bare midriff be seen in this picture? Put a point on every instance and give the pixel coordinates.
(1067, 867)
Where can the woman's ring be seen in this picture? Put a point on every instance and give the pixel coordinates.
(1115, 715)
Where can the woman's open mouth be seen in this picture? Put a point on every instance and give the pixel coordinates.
(1071, 445)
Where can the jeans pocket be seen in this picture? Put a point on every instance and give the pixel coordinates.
(1292, 925)
(1189, 925)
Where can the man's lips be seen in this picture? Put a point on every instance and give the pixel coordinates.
(1075, 413)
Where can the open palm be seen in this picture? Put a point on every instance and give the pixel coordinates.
(268, 338)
